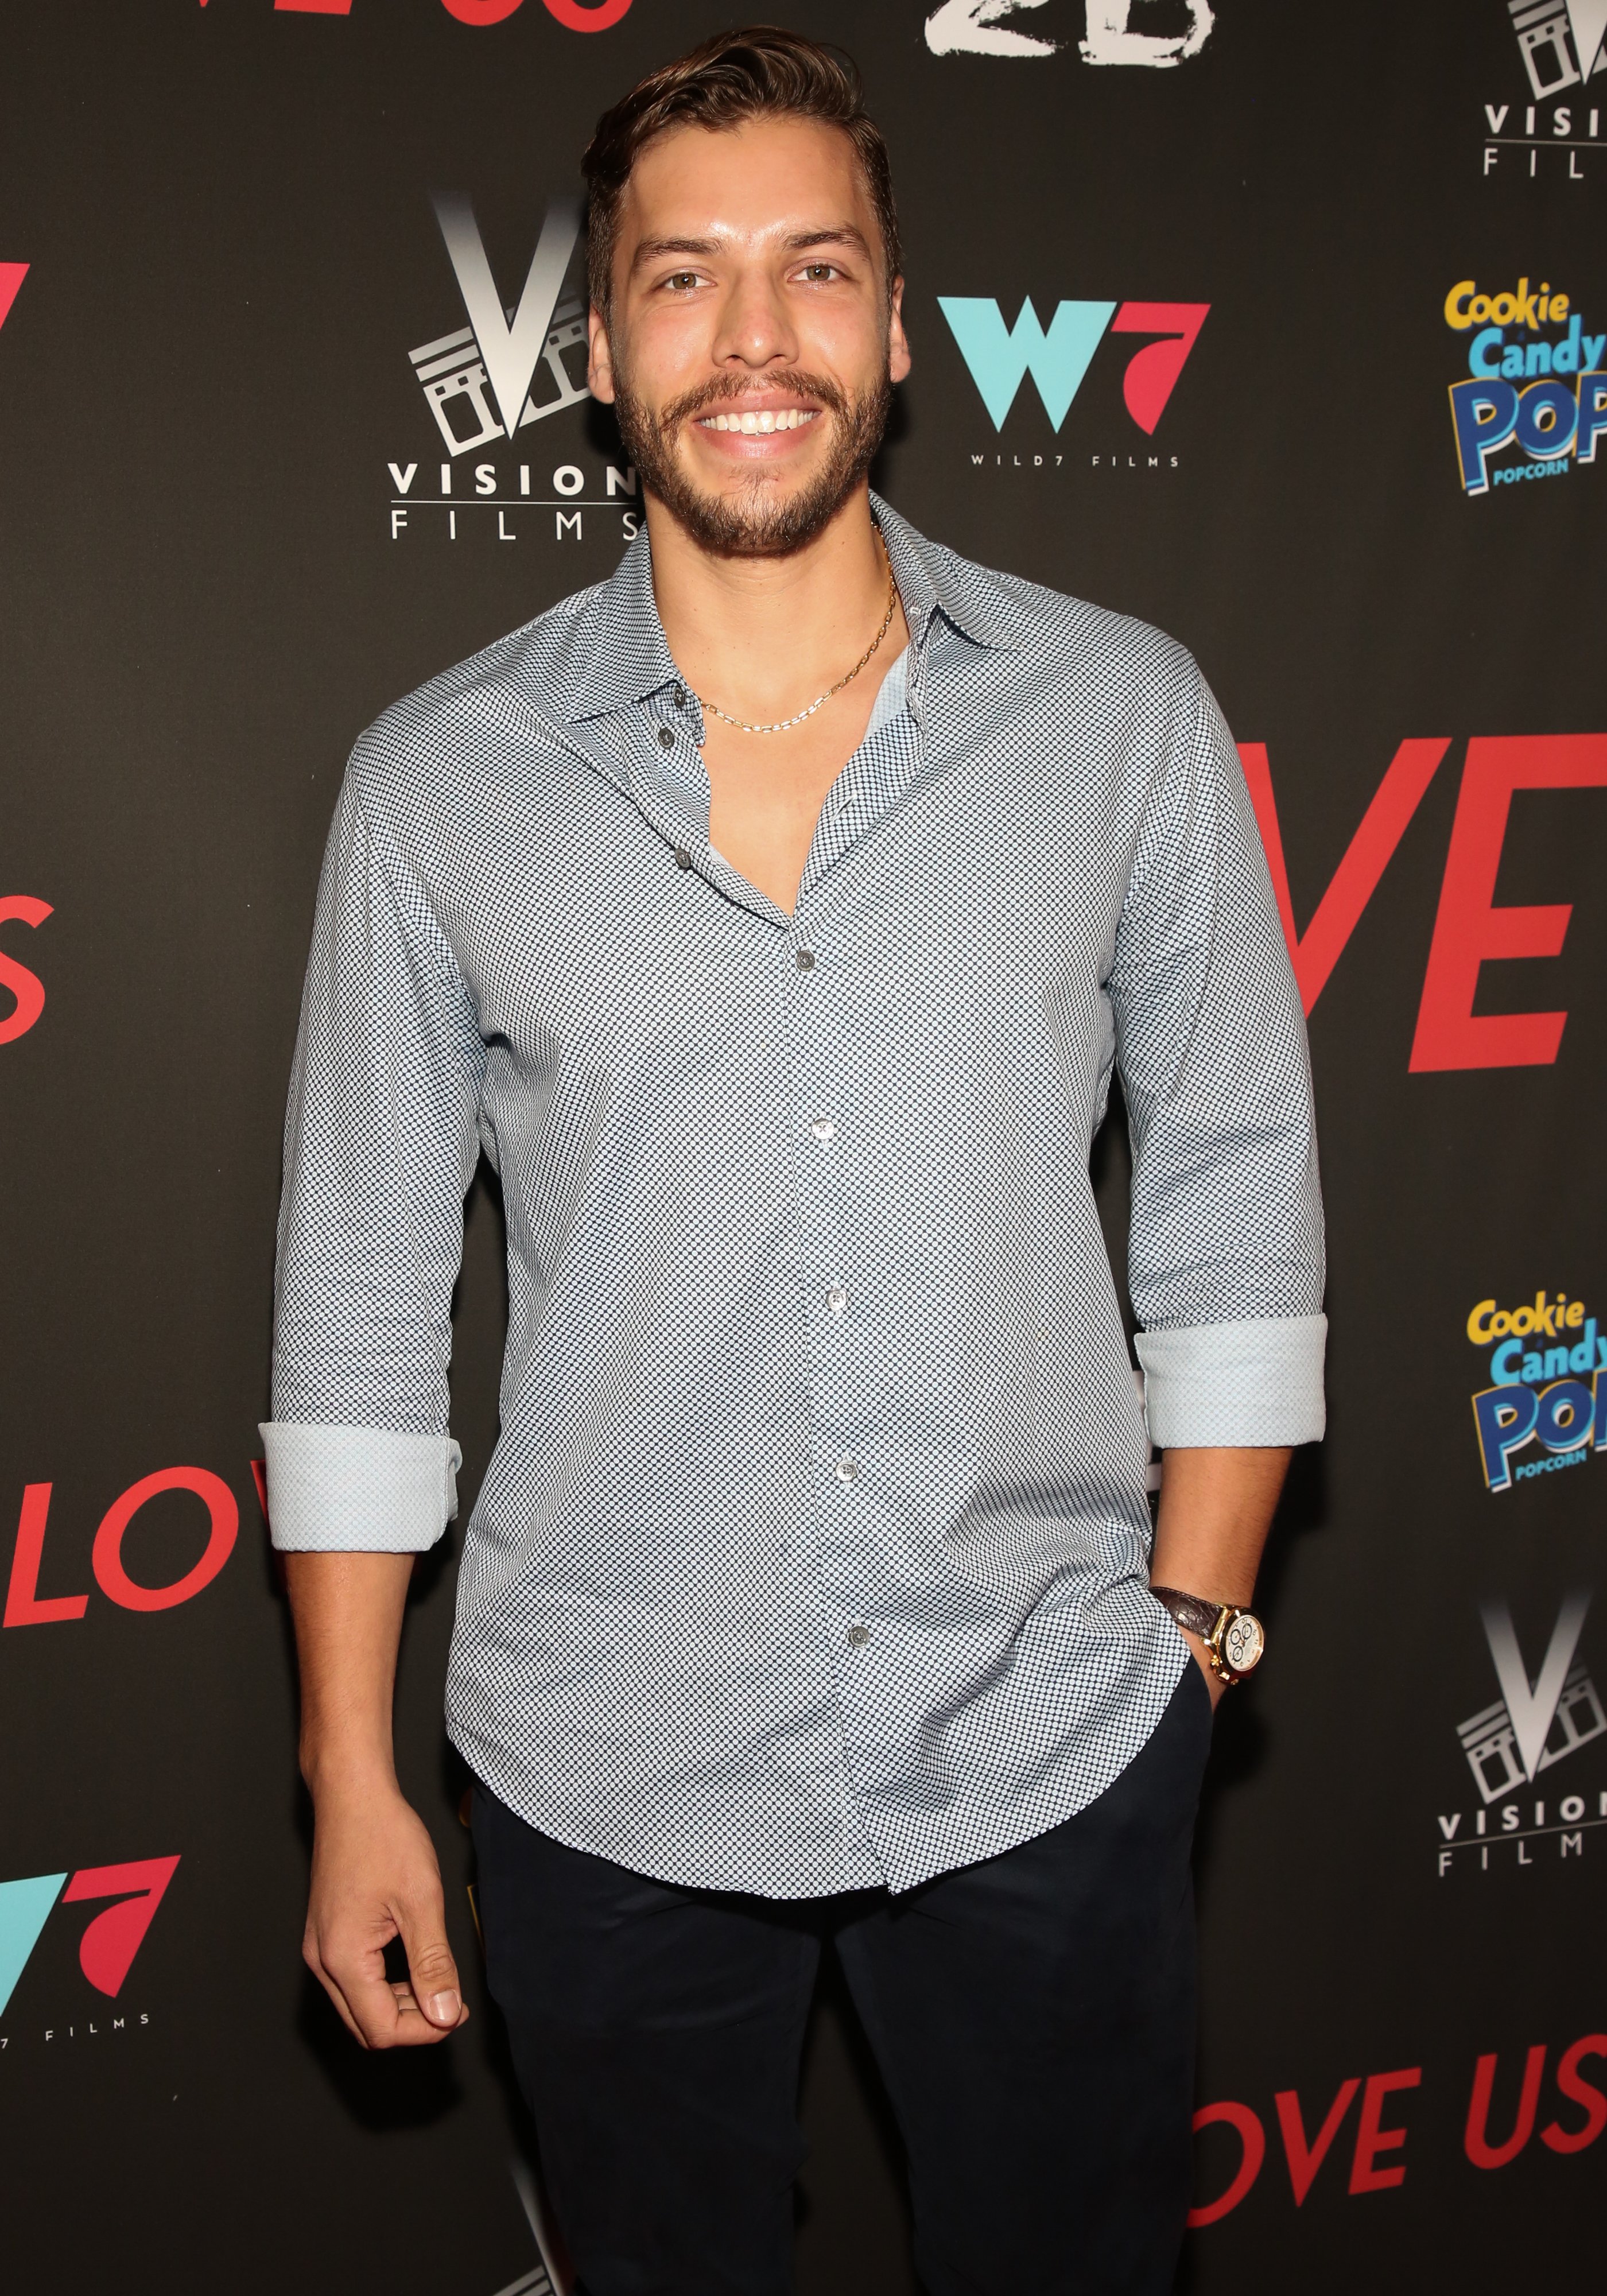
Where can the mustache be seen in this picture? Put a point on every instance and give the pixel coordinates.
(718, 395)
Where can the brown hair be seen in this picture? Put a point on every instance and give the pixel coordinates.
(760, 72)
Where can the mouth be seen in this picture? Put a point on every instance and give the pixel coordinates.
(760, 422)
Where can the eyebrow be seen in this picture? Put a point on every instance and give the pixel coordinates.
(839, 235)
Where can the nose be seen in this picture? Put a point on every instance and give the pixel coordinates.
(754, 329)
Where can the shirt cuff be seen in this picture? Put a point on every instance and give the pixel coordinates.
(357, 1489)
(1257, 1382)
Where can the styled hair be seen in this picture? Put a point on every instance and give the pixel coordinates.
(757, 73)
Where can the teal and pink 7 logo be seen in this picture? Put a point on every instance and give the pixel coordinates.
(1001, 357)
(107, 1947)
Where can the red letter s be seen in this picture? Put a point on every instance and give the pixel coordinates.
(26, 987)
(1578, 2092)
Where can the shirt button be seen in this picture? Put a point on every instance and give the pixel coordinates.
(680, 697)
(837, 1299)
(824, 1130)
(804, 959)
(666, 740)
(848, 1471)
(682, 858)
(858, 1636)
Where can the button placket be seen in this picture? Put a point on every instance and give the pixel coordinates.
(821, 1269)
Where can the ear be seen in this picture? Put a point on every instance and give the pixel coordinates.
(899, 360)
(600, 358)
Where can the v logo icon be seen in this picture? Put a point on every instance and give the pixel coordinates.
(510, 353)
(1532, 1709)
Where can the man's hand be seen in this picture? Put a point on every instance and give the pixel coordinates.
(376, 1877)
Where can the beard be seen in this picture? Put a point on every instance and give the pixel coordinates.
(752, 521)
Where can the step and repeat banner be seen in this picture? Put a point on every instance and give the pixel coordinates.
(1283, 329)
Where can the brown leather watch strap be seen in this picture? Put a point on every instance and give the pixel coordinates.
(1189, 1611)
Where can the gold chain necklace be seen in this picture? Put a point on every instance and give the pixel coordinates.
(742, 724)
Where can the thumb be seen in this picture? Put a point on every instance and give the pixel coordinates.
(431, 1971)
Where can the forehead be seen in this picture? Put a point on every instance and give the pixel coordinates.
(766, 178)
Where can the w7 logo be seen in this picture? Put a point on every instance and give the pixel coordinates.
(1001, 357)
(107, 1947)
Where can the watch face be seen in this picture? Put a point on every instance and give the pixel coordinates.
(1243, 1643)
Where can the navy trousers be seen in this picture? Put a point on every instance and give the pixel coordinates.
(1032, 2016)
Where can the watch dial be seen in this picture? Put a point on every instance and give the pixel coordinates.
(1243, 1643)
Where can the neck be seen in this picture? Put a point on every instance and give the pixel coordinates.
(762, 636)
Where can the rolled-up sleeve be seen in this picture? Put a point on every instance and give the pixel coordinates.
(1226, 1246)
(381, 1140)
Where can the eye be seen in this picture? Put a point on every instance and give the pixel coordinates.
(818, 273)
(681, 282)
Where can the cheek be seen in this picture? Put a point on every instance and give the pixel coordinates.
(670, 348)
(846, 343)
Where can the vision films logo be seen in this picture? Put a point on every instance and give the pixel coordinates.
(107, 1948)
(486, 383)
(1510, 1745)
(1535, 381)
(1548, 1389)
(1000, 357)
(1561, 51)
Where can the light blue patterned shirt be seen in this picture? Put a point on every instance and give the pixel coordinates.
(812, 1551)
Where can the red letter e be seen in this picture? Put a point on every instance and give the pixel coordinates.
(1470, 931)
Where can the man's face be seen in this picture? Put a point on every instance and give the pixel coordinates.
(753, 341)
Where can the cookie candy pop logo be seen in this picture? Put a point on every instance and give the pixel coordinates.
(1534, 382)
(1548, 1369)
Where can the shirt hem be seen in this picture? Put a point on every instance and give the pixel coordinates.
(970, 1838)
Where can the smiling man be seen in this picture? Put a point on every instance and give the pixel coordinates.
(775, 916)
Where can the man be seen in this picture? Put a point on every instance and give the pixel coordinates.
(774, 916)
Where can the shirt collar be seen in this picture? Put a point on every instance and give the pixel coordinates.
(624, 656)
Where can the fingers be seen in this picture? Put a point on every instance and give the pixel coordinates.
(432, 1973)
(309, 1955)
(375, 1880)
(376, 2012)
(352, 1972)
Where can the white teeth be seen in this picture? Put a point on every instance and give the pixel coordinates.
(788, 418)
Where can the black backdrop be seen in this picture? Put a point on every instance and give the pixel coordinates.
(225, 215)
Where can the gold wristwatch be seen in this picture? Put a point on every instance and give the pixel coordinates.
(1234, 1639)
